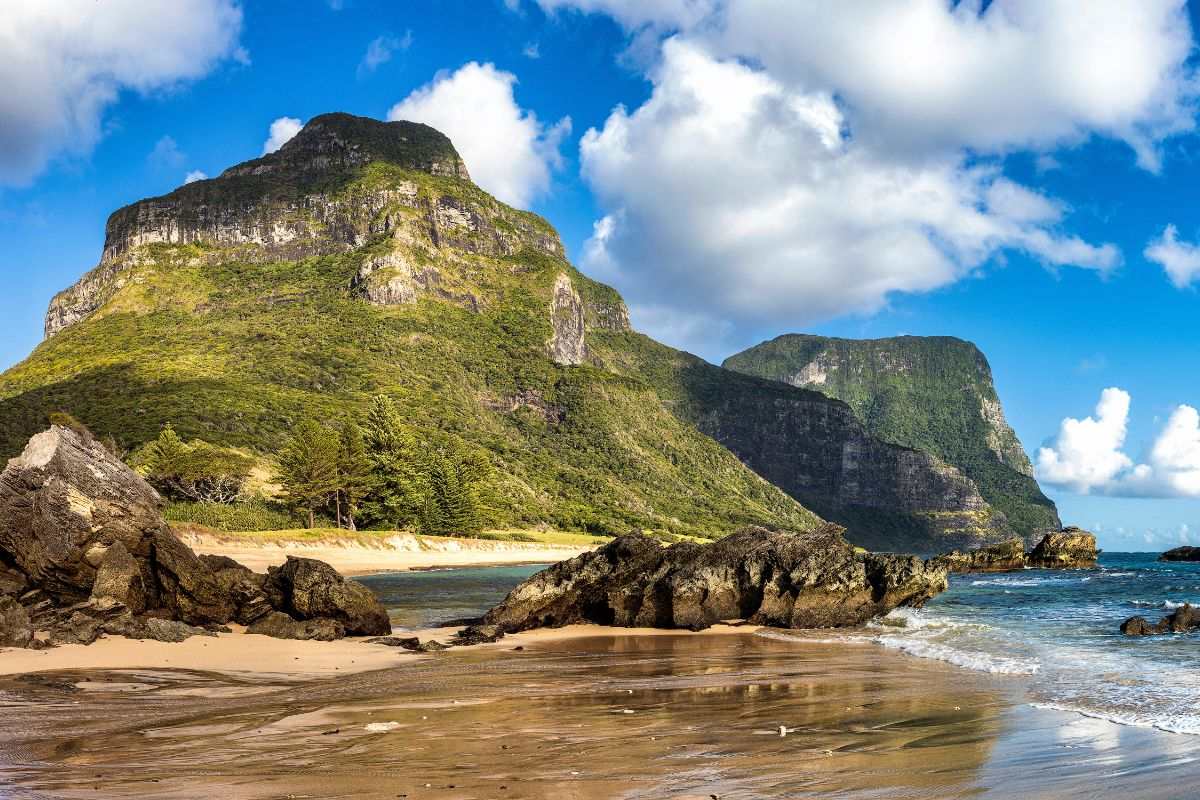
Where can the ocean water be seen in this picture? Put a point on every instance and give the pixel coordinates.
(427, 598)
(1055, 633)
(1058, 633)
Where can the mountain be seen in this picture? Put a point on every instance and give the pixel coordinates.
(931, 393)
(360, 259)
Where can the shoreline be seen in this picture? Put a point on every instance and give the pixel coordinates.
(363, 554)
(749, 716)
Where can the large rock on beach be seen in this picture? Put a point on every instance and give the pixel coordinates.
(309, 589)
(1070, 548)
(85, 551)
(780, 578)
(1004, 557)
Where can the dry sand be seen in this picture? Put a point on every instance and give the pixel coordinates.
(236, 652)
(391, 554)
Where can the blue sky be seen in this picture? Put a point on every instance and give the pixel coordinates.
(738, 168)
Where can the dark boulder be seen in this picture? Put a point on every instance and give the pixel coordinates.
(403, 642)
(796, 580)
(1181, 554)
(1181, 620)
(1070, 548)
(309, 589)
(282, 626)
(1003, 557)
(84, 546)
(477, 634)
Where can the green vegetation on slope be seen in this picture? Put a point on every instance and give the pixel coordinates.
(931, 393)
(237, 352)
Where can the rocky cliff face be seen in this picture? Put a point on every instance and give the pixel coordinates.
(933, 394)
(317, 196)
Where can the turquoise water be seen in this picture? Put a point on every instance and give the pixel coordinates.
(425, 599)
(1054, 631)
(1059, 631)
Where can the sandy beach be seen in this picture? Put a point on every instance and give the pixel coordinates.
(583, 713)
(360, 555)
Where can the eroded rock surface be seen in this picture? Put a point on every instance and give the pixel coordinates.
(1070, 548)
(84, 552)
(784, 579)
(1003, 557)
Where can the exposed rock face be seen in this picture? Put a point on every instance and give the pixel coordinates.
(1184, 553)
(281, 626)
(566, 318)
(793, 580)
(930, 393)
(15, 628)
(120, 578)
(310, 589)
(1003, 557)
(290, 205)
(85, 531)
(1181, 620)
(1070, 548)
(814, 448)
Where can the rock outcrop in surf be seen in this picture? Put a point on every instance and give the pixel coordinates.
(779, 578)
(85, 551)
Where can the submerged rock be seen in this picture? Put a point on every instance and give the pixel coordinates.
(1070, 548)
(1003, 557)
(1181, 620)
(785, 579)
(1184, 553)
(84, 545)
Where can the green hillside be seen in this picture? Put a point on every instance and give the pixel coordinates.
(349, 265)
(931, 393)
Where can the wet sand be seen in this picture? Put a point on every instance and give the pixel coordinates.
(594, 714)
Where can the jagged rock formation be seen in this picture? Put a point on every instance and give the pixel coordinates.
(1070, 548)
(87, 552)
(777, 578)
(1003, 557)
(930, 393)
(1184, 553)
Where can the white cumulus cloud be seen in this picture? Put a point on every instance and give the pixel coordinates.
(835, 154)
(508, 150)
(195, 175)
(66, 62)
(1088, 455)
(281, 132)
(1180, 259)
(734, 196)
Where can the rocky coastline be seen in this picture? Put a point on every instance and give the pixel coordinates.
(786, 579)
(1070, 548)
(85, 552)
